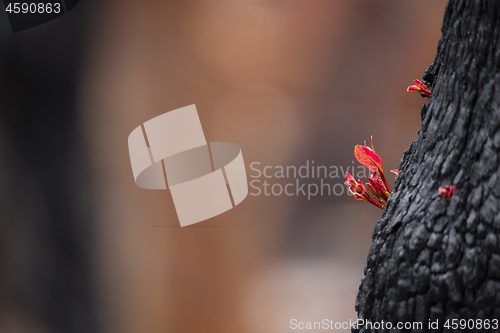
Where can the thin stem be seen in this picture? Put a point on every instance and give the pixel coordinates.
(373, 202)
(385, 183)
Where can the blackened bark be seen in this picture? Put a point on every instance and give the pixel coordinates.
(431, 258)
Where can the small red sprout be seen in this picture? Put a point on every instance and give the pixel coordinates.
(376, 191)
(420, 88)
(447, 191)
(396, 172)
(359, 191)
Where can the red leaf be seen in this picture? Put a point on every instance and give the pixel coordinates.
(369, 159)
(420, 88)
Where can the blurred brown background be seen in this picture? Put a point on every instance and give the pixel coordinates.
(289, 81)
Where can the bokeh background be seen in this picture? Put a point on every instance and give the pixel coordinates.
(83, 249)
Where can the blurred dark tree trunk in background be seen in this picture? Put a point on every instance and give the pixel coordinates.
(432, 259)
(46, 237)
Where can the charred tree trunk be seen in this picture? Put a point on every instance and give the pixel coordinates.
(432, 259)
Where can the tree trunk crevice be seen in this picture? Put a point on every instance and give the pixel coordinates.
(431, 258)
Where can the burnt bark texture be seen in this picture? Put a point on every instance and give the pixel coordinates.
(431, 258)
